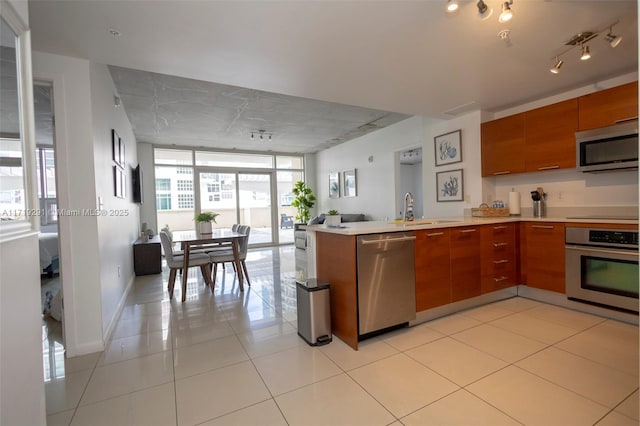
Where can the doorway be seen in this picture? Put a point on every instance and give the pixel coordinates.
(53, 347)
(239, 197)
(409, 179)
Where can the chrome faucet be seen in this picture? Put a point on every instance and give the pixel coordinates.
(408, 207)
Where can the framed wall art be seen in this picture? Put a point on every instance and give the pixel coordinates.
(115, 146)
(449, 186)
(448, 148)
(349, 184)
(334, 185)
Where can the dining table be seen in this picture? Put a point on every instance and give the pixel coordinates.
(220, 238)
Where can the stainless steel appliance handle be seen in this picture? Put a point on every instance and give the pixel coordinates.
(388, 240)
(435, 234)
(603, 251)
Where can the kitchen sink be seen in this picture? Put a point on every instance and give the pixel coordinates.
(417, 222)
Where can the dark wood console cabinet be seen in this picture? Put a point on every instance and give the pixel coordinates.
(147, 257)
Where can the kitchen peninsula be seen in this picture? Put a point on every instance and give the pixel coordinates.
(459, 263)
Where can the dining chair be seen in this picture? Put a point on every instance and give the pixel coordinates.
(176, 262)
(226, 255)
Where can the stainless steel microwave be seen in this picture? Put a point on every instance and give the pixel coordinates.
(608, 148)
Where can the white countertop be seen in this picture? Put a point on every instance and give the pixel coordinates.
(376, 227)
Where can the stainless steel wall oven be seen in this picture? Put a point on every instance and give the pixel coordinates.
(602, 266)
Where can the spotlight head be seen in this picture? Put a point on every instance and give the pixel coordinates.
(507, 13)
(557, 66)
(482, 7)
(452, 6)
(585, 53)
(613, 40)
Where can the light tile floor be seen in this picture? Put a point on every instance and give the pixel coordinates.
(234, 358)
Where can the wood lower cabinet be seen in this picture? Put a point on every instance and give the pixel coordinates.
(608, 107)
(465, 263)
(502, 144)
(498, 256)
(433, 269)
(545, 256)
(337, 264)
(550, 136)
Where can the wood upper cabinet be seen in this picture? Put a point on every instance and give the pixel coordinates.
(465, 263)
(498, 256)
(432, 266)
(607, 107)
(550, 141)
(545, 267)
(502, 143)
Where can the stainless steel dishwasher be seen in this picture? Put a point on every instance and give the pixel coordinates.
(386, 281)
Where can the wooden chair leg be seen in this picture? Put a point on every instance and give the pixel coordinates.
(205, 275)
(215, 272)
(172, 282)
(207, 270)
(246, 274)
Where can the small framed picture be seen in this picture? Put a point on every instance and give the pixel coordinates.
(448, 148)
(119, 182)
(334, 185)
(349, 185)
(449, 186)
(115, 146)
(121, 161)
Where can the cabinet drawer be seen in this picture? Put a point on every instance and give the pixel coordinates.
(499, 265)
(498, 281)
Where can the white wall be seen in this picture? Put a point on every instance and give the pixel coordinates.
(469, 125)
(118, 229)
(22, 397)
(376, 180)
(148, 207)
(568, 188)
(91, 247)
(76, 179)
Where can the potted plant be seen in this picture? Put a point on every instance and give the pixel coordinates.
(303, 201)
(203, 221)
(333, 218)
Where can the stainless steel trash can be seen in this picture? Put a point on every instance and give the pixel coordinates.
(314, 312)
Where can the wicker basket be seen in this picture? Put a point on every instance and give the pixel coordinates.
(489, 212)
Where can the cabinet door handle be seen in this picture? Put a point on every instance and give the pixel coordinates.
(541, 227)
(435, 234)
(622, 120)
(500, 244)
(497, 262)
(500, 227)
(500, 279)
(549, 167)
(505, 172)
(466, 231)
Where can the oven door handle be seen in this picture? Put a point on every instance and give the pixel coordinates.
(603, 251)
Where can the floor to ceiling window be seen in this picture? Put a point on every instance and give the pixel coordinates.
(253, 189)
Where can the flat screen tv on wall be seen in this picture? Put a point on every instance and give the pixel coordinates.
(136, 180)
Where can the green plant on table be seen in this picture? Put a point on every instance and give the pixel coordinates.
(303, 201)
(333, 212)
(206, 217)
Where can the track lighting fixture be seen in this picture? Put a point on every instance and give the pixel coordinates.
(585, 53)
(557, 66)
(452, 6)
(507, 13)
(612, 39)
(261, 135)
(484, 11)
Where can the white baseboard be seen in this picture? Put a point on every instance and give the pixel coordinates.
(85, 349)
(112, 324)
